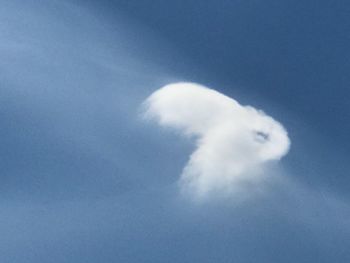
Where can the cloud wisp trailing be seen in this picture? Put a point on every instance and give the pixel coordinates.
(233, 142)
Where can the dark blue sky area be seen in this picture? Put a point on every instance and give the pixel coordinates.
(294, 53)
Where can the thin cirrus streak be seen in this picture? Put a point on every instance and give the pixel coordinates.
(233, 142)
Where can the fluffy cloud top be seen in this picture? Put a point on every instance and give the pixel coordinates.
(233, 142)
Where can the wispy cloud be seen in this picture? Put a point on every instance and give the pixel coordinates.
(233, 142)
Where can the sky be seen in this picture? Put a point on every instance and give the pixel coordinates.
(174, 131)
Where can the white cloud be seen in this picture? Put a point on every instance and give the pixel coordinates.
(233, 142)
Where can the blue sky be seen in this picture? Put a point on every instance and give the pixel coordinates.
(84, 178)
